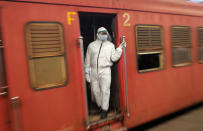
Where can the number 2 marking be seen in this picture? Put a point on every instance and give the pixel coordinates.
(127, 16)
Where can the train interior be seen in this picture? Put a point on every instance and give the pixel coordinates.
(89, 23)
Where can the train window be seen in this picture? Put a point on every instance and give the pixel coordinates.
(200, 31)
(149, 48)
(46, 54)
(181, 46)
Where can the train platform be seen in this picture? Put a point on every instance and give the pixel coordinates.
(190, 119)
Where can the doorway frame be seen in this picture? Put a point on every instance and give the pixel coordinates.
(120, 115)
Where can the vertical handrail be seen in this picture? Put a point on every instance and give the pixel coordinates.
(15, 103)
(126, 85)
(84, 81)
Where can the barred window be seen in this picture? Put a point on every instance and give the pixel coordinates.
(200, 37)
(149, 47)
(181, 46)
(46, 54)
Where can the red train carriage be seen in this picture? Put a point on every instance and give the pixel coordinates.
(42, 86)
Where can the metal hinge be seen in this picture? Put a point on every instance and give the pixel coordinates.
(1, 45)
(4, 91)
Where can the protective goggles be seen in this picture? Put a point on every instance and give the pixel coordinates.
(103, 33)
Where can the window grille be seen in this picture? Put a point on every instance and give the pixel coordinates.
(181, 45)
(46, 54)
(149, 47)
(200, 37)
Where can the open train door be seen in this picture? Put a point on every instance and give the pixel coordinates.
(89, 23)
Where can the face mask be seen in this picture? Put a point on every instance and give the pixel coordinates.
(103, 37)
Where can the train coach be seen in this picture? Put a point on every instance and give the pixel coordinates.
(42, 49)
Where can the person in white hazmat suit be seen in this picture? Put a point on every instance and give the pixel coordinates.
(100, 56)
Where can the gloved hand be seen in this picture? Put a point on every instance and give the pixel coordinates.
(122, 45)
(87, 78)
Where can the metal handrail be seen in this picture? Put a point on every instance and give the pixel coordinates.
(84, 81)
(15, 102)
(126, 86)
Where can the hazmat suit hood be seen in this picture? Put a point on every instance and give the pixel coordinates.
(102, 29)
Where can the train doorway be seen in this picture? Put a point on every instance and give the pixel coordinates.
(89, 23)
